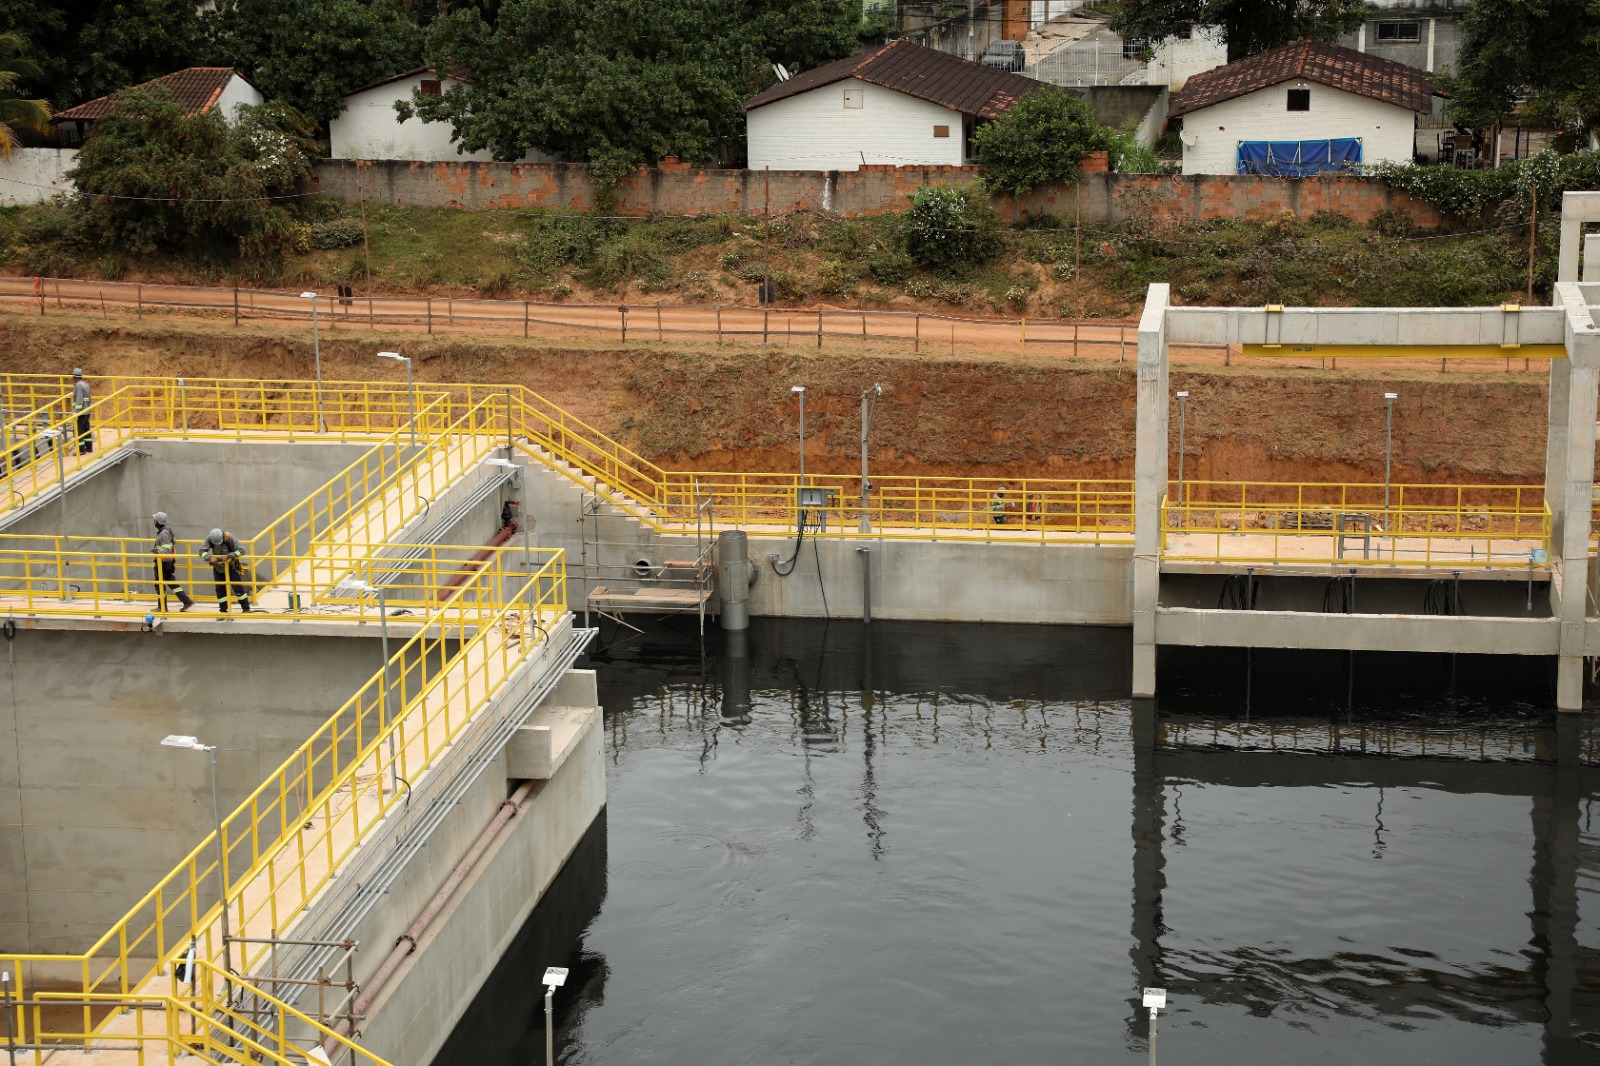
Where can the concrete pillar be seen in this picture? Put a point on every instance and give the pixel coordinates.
(1150, 485)
(1571, 490)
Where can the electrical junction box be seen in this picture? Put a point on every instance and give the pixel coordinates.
(814, 499)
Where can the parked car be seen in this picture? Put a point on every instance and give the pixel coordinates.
(1004, 55)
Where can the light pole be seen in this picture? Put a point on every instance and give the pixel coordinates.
(1156, 1000)
(357, 586)
(316, 350)
(1388, 449)
(1183, 418)
(869, 401)
(554, 978)
(193, 744)
(411, 390)
(800, 391)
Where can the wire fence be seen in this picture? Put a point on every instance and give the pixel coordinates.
(917, 332)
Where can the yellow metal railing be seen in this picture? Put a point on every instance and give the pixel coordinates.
(335, 499)
(159, 1028)
(1458, 526)
(118, 577)
(285, 841)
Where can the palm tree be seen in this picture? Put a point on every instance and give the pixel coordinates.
(15, 112)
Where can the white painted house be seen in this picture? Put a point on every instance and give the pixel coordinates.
(898, 105)
(197, 89)
(35, 175)
(370, 128)
(1306, 107)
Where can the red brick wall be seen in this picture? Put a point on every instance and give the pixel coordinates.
(677, 189)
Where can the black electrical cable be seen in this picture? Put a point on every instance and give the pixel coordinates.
(1441, 597)
(1339, 596)
(799, 542)
(824, 588)
(1239, 593)
(8, 629)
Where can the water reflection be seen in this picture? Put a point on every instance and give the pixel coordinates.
(912, 845)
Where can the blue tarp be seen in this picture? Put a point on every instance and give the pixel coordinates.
(1296, 159)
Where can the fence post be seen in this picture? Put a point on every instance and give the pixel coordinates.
(524, 318)
(719, 324)
(658, 321)
(38, 290)
(819, 327)
(622, 315)
(430, 314)
(764, 326)
(1022, 346)
(139, 309)
(372, 322)
(236, 305)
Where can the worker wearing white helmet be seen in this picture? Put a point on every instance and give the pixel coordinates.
(80, 407)
(224, 553)
(167, 566)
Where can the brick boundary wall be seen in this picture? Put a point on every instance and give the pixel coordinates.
(677, 189)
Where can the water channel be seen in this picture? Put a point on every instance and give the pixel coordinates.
(952, 844)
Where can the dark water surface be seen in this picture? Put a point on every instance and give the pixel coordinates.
(940, 844)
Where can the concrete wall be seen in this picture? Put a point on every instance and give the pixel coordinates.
(255, 485)
(1177, 60)
(1212, 134)
(1438, 32)
(947, 581)
(414, 1016)
(821, 130)
(34, 175)
(682, 190)
(93, 811)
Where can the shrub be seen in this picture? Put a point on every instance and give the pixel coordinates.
(554, 240)
(335, 233)
(633, 256)
(1040, 141)
(889, 266)
(949, 229)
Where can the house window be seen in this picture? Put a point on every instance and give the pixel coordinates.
(853, 98)
(430, 87)
(1299, 99)
(941, 131)
(1399, 31)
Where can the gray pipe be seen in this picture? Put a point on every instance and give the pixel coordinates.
(733, 578)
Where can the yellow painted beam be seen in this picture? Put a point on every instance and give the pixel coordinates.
(1405, 351)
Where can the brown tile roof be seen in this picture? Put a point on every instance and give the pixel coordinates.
(196, 88)
(1318, 61)
(938, 77)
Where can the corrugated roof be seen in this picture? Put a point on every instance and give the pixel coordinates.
(938, 77)
(196, 88)
(1316, 61)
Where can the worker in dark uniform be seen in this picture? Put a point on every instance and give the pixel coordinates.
(167, 565)
(80, 407)
(224, 553)
(508, 513)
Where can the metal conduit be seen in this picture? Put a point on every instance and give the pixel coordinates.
(406, 944)
(457, 514)
(393, 861)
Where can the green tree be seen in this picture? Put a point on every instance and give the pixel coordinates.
(133, 41)
(1040, 141)
(617, 83)
(153, 179)
(52, 31)
(16, 68)
(1249, 26)
(310, 53)
(1544, 57)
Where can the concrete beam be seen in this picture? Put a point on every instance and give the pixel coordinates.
(1458, 634)
(1364, 326)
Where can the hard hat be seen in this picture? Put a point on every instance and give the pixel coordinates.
(160, 518)
(216, 535)
(77, 372)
